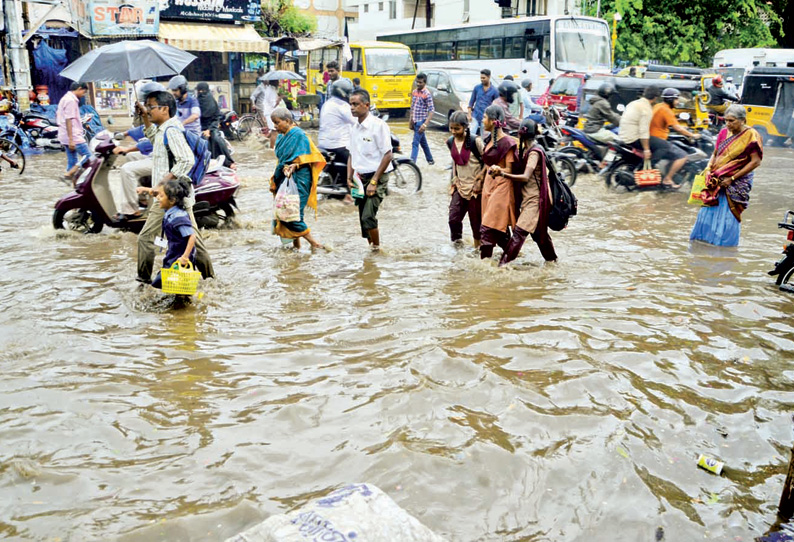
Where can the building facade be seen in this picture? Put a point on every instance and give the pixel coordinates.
(387, 16)
(333, 16)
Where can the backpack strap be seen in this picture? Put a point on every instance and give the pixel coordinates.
(449, 142)
(168, 149)
(474, 149)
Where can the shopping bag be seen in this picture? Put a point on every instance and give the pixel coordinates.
(288, 201)
(647, 176)
(698, 185)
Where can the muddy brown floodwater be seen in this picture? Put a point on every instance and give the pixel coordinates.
(556, 403)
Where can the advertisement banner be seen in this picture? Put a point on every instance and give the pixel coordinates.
(124, 17)
(211, 11)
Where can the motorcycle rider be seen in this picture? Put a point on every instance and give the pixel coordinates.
(718, 95)
(517, 105)
(635, 125)
(188, 109)
(662, 120)
(138, 164)
(508, 94)
(336, 120)
(599, 114)
(210, 125)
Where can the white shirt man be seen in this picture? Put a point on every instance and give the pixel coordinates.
(336, 120)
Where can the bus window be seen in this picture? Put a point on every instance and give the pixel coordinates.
(514, 48)
(354, 64)
(545, 57)
(467, 50)
(445, 51)
(424, 52)
(491, 48)
(532, 50)
(315, 59)
(383, 61)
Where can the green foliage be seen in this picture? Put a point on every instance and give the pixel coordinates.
(677, 31)
(282, 18)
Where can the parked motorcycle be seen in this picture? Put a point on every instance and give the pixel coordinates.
(91, 205)
(784, 268)
(228, 125)
(30, 129)
(591, 156)
(620, 170)
(405, 179)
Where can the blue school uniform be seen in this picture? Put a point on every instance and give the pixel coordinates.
(177, 228)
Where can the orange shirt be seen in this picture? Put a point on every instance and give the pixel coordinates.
(663, 117)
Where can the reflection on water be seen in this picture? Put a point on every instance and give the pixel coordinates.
(538, 402)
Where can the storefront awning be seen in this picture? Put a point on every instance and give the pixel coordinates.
(303, 44)
(207, 37)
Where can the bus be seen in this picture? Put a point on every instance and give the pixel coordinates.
(386, 70)
(538, 48)
(736, 63)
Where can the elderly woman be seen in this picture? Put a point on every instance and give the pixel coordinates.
(299, 158)
(498, 194)
(729, 179)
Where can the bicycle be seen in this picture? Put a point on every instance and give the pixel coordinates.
(248, 124)
(12, 155)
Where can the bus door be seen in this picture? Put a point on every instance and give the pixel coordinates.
(355, 66)
(783, 118)
(533, 50)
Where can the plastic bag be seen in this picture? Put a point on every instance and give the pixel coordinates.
(356, 513)
(698, 185)
(288, 201)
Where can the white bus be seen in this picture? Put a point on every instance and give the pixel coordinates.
(736, 62)
(538, 48)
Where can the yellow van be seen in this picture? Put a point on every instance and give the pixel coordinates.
(386, 70)
(767, 95)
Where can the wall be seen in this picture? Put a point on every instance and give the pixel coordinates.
(330, 16)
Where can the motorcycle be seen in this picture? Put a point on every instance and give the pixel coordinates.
(784, 268)
(228, 125)
(91, 205)
(620, 170)
(405, 178)
(30, 129)
(563, 163)
(591, 157)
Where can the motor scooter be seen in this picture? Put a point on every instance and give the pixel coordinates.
(405, 179)
(228, 125)
(91, 205)
(784, 268)
(31, 129)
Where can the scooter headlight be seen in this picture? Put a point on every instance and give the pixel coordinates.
(83, 176)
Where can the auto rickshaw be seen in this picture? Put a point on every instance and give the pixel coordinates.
(628, 89)
(768, 97)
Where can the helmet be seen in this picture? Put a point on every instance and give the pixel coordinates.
(341, 88)
(670, 95)
(717, 81)
(178, 82)
(507, 90)
(606, 90)
(526, 83)
(148, 88)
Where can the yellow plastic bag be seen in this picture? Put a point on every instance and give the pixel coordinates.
(698, 185)
(180, 280)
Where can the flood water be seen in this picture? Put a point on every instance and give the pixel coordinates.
(556, 403)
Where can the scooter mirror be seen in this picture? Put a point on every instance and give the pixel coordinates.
(621, 108)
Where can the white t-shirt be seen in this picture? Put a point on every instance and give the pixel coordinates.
(369, 142)
(335, 123)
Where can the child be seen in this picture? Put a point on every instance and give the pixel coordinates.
(177, 227)
(468, 171)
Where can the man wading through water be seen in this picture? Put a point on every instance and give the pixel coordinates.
(370, 160)
(173, 161)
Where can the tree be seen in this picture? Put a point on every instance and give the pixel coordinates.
(677, 31)
(785, 10)
(282, 18)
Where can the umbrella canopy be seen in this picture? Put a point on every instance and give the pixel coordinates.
(279, 75)
(128, 61)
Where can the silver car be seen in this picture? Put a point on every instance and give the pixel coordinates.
(451, 89)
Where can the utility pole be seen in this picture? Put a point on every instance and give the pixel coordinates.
(428, 14)
(17, 52)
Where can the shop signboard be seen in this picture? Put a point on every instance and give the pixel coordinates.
(124, 17)
(79, 13)
(211, 11)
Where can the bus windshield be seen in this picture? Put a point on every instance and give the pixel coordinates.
(581, 46)
(382, 61)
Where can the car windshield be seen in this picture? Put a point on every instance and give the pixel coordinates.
(389, 62)
(465, 82)
(581, 46)
(566, 86)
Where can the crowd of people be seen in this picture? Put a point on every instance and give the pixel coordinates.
(500, 181)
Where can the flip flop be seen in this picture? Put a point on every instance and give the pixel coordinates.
(671, 185)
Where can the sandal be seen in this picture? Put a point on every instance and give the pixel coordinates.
(671, 185)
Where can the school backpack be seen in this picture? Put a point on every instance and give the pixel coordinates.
(201, 155)
(472, 143)
(563, 202)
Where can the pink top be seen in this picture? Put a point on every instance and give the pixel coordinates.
(69, 111)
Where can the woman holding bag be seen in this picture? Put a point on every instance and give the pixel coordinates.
(299, 159)
(729, 179)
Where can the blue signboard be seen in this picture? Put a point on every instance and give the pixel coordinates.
(211, 11)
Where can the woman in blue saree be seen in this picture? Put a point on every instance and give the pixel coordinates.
(297, 156)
